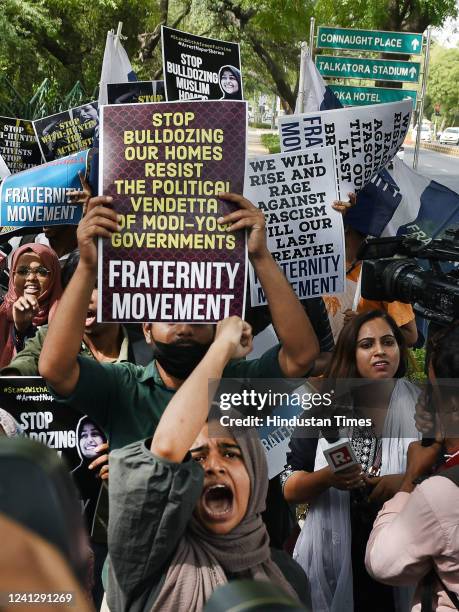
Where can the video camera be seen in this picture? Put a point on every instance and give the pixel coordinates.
(391, 271)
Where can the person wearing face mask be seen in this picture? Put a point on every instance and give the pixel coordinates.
(127, 401)
(168, 556)
(331, 546)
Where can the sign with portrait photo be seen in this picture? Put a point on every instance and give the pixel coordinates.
(67, 132)
(198, 68)
(73, 436)
(136, 92)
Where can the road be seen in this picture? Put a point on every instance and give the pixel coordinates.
(437, 166)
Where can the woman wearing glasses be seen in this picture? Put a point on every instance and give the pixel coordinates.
(33, 292)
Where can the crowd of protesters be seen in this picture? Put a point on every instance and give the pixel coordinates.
(188, 503)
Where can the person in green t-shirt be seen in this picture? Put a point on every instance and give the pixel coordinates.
(127, 401)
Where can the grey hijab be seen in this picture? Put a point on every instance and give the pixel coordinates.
(203, 558)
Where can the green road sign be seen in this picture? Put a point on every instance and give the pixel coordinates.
(359, 68)
(358, 96)
(369, 40)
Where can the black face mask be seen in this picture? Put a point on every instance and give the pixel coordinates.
(178, 360)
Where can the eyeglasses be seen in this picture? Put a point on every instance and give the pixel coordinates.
(41, 271)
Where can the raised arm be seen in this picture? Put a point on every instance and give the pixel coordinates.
(187, 411)
(58, 360)
(296, 334)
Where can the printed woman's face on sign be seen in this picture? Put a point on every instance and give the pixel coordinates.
(31, 277)
(229, 82)
(90, 439)
(87, 112)
(377, 353)
(226, 491)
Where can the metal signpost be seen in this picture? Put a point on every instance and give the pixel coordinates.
(369, 68)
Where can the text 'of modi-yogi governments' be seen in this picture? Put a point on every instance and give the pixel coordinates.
(165, 167)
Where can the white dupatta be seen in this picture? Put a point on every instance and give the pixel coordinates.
(323, 548)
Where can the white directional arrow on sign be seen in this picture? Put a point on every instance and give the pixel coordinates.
(415, 44)
(412, 72)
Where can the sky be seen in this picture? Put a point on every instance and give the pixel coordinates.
(448, 35)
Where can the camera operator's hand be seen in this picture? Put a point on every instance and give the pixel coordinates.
(383, 487)
(343, 207)
(420, 461)
(423, 417)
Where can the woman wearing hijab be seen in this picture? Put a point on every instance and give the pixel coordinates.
(229, 79)
(343, 505)
(33, 293)
(183, 522)
(89, 439)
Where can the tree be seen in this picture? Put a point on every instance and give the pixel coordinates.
(442, 87)
(392, 15)
(63, 40)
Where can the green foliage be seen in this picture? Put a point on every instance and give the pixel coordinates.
(271, 142)
(392, 15)
(442, 85)
(64, 40)
(416, 361)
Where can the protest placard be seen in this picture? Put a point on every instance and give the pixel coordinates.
(72, 435)
(4, 170)
(164, 165)
(364, 139)
(198, 68)
(68, 132)
(40, 196)
(305, 234)
(136, 91)
(18, 144)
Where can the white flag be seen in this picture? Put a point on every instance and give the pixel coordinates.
(313, 94)
(116, 67)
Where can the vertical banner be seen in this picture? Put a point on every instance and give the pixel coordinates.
(305, 234)
(68, 132)
(164, 165)
(71, 435)
(18, 144)
(198, 68)
(40, 196)
(136, 91)
(364, 139)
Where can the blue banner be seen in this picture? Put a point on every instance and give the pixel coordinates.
(40, 196)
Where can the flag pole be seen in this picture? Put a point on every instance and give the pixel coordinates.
(303, 60)
(425, 72)
(312, 27)
(118, 33)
